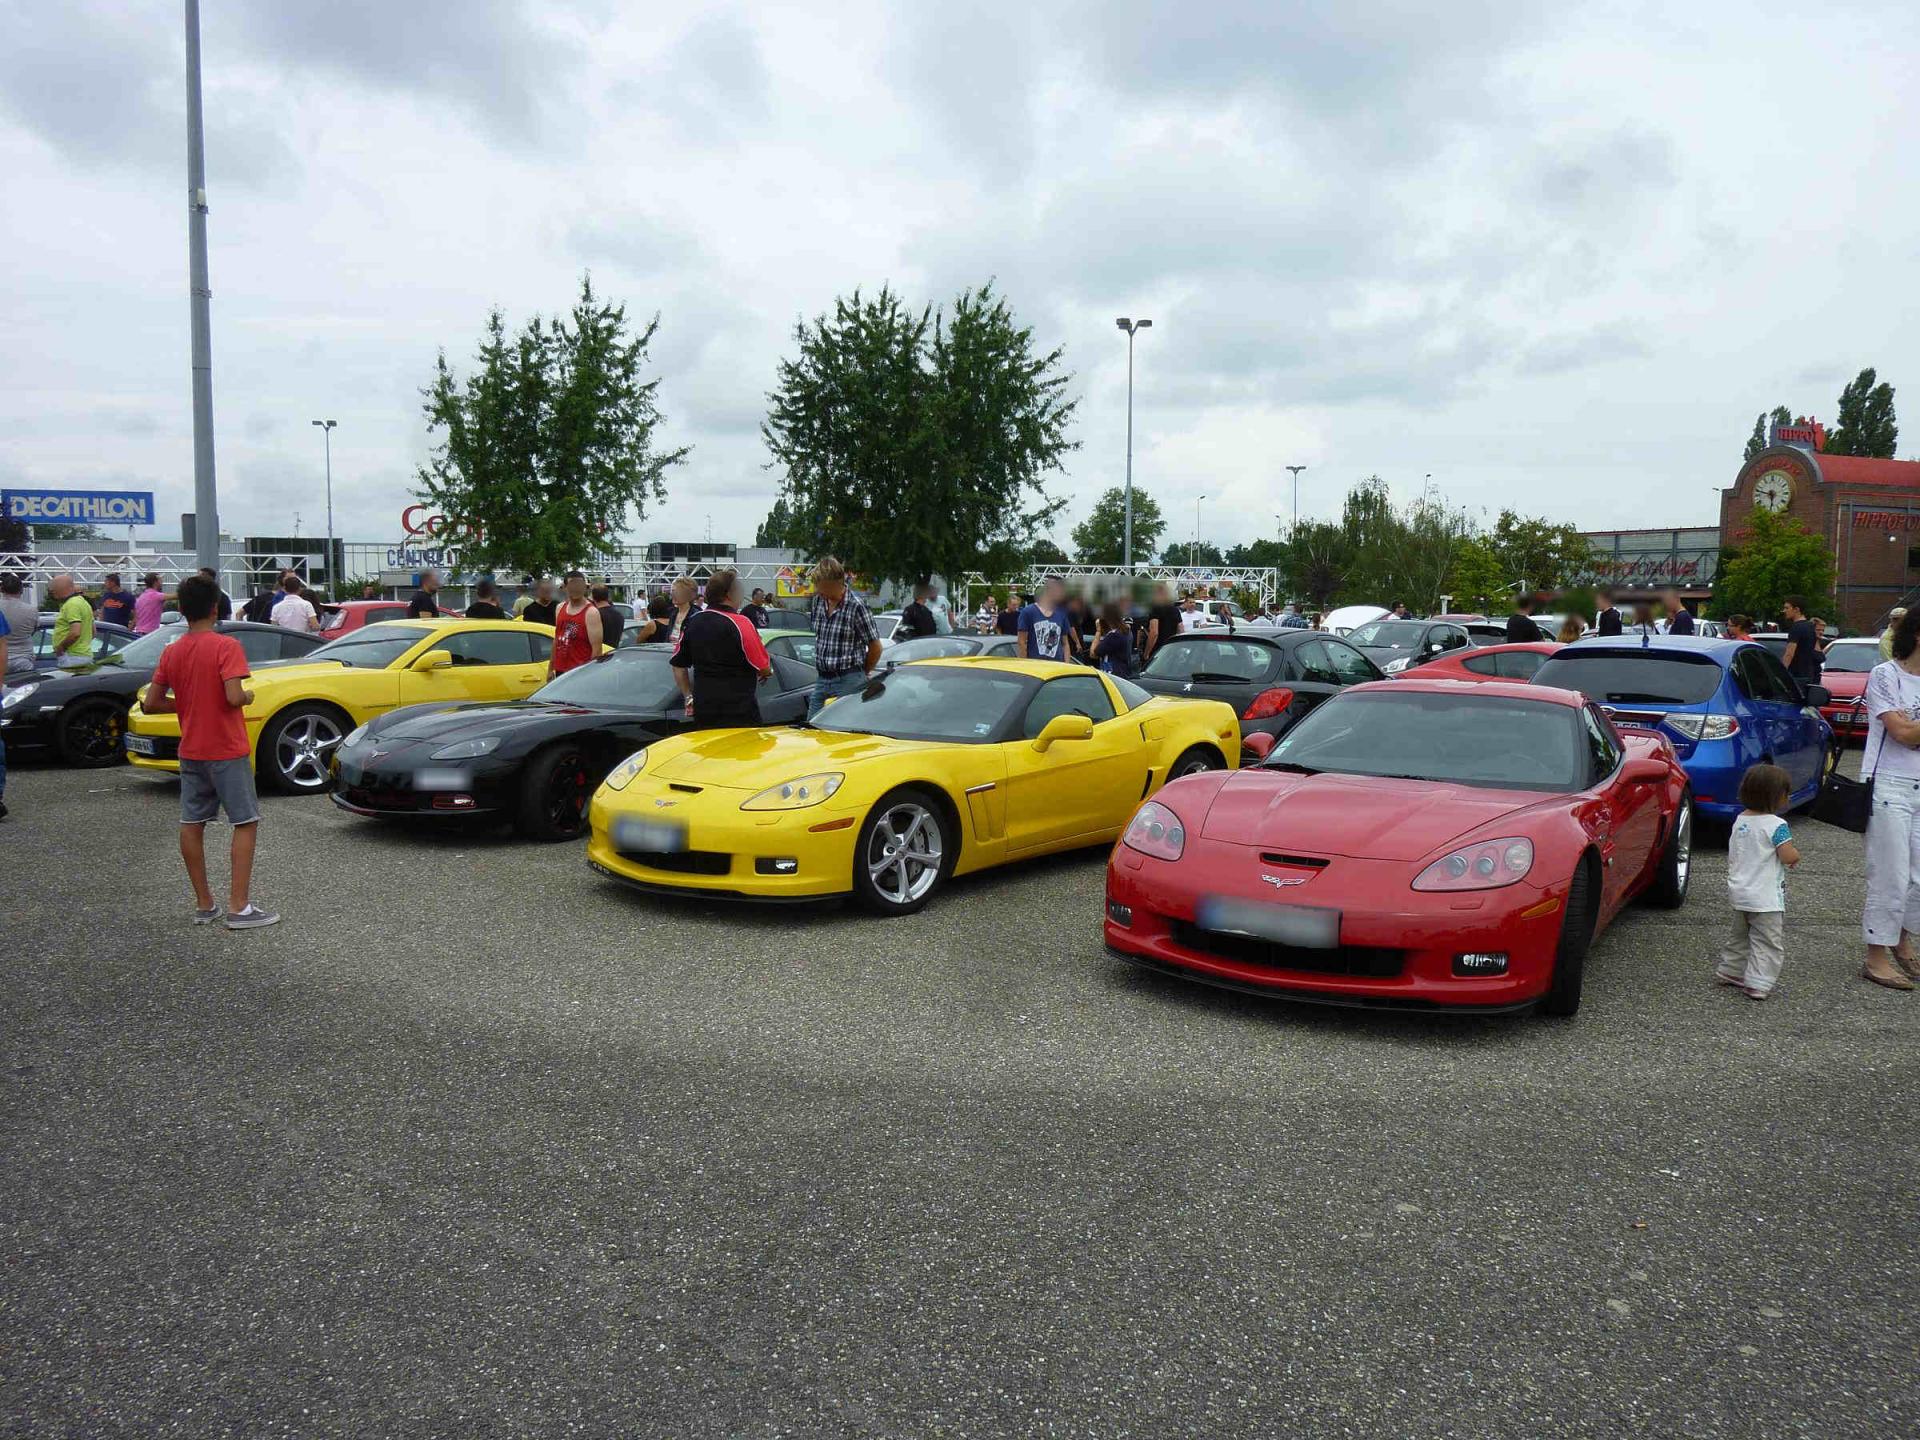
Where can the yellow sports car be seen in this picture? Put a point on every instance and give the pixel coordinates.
(300, 713)
(939, 768)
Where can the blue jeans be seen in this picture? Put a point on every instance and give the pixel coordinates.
(828, 686)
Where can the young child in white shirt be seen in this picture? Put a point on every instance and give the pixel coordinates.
(1760, 851)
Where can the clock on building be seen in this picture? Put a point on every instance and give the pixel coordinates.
(1773, 491)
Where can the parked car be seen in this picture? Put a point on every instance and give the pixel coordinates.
(1397, 646)
(1491, 662)
(1844, 671)
(534, 762)
(337, 620)
(108, 638)
(1425, 843)
(1724, 704)
(1270, 677)
(81, 715)
(947, 647)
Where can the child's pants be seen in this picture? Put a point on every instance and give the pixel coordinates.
(1756, 948)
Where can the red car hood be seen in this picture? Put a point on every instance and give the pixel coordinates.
(1845, 684)
(1352, 815)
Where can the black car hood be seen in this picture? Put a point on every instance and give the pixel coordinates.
(442, 724)
(59, 687)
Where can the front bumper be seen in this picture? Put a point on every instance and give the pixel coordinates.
(25, 729)
(724, 845)
(163, 757)
(437, 789)
(1397, 946)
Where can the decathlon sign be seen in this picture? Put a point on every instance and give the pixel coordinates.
(80, 507)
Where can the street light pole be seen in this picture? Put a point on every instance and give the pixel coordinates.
(1294, 470)
(206, 507)
(1126, 543)
(333, 580)
(1193, 556)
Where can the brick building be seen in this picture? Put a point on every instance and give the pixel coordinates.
(1868, 512)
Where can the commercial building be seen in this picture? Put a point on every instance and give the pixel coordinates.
(1866, 510)
(1642, 562)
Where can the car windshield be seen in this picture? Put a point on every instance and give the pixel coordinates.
(929, 702)
(1632, 677)
(1453, 738)
(1854, 658)
(372, 647)
(1389, 634)
(628, 679)
(1207, 658)
(146, 650)
(932, 647)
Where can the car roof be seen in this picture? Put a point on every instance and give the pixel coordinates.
(1043, 669)
(1531, 647)
(1495, 689)
(1291, 635)
(1717, 646)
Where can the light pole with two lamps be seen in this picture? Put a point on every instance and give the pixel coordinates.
(333, 580)
(1126, 542)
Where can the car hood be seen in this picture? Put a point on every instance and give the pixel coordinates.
(465, 721)
(755, 759)
(1352, 815)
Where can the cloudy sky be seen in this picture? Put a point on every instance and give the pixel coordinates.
(1552, 256)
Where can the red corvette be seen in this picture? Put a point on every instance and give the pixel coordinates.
(1490, 662)
(1421, 843)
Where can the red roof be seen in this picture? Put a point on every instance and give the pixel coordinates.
(1865, 470)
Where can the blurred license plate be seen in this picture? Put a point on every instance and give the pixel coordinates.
(1300, 925)
(139, 745)
(654, 835)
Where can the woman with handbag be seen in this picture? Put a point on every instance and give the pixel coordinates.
(1892, 761)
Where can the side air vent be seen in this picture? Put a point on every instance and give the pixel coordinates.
(1304, 862)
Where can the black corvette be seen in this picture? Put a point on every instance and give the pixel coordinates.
(80, 715)
(535, 762)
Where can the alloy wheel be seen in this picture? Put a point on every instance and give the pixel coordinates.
(567, 796)
(305, 746)
(905, 852)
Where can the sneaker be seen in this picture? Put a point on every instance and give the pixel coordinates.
(206, 917)
(1738, 981)
(1752, 994)
(251, 918)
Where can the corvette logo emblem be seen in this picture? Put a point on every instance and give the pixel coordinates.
(1188, 687)
(662, 804)
(1281, 882)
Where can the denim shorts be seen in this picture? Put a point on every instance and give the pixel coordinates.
(209, 786)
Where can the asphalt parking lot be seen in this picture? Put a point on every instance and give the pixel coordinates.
(476, 1142)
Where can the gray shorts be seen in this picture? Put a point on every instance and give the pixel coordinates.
(209, 786)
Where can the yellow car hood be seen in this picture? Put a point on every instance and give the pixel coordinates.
(755, 759)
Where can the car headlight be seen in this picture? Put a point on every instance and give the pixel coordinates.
(16, 695)
(623, 773)
(1155, 830)
(1484, 866)
(1394, 667)
(354, 736)
(467, 749)
(796, 794)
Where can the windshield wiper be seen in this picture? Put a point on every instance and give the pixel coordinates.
(1207, 677)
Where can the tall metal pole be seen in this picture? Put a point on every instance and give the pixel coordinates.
(1126, 544)
(333, 580)
(1295, 470)
(206, 505)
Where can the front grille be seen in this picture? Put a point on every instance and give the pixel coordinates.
(165, 747)
(386, 795)
(1358, 960)
(684, 862)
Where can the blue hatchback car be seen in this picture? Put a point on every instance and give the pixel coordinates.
(1725, 705)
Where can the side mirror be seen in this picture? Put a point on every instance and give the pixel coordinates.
(434, 660)
(1258, 745)
(1063, 727)
(1816, 694)
(1644, 772)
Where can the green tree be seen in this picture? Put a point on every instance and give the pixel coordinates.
(1317, 561)
(1757, 441)
(1476, 580)
(782, 528)
(1099, 538)
(1776, 557)
(1864, 422)
(542, 449)
(1260, 554)
(1538, 554)
(1044, 552)
(919, 440)
(1186, 553)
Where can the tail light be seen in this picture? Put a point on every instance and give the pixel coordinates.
(1269, 703)
(1702, 727)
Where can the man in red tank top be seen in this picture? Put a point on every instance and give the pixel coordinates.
(576, 628)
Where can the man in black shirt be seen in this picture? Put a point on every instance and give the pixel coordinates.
(756, 609)
(1802, 656)
(917, 619)
(424, 605)
(1163, 621)
(1607, 622)
(1521, 629)
(1679, 618)
(540, 609)
(223, 610)
(722, 650)
(610, 618)
(486, 603)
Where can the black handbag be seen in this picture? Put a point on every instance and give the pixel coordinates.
(1843, 801)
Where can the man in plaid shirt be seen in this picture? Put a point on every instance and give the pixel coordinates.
(845, 647)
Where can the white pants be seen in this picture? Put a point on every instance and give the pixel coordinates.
(1893, 861)
(1756, 948)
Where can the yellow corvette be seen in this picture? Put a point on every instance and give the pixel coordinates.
(300, 713)
(937, 769)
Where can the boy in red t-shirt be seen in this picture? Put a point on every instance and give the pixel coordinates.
(202, 678)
